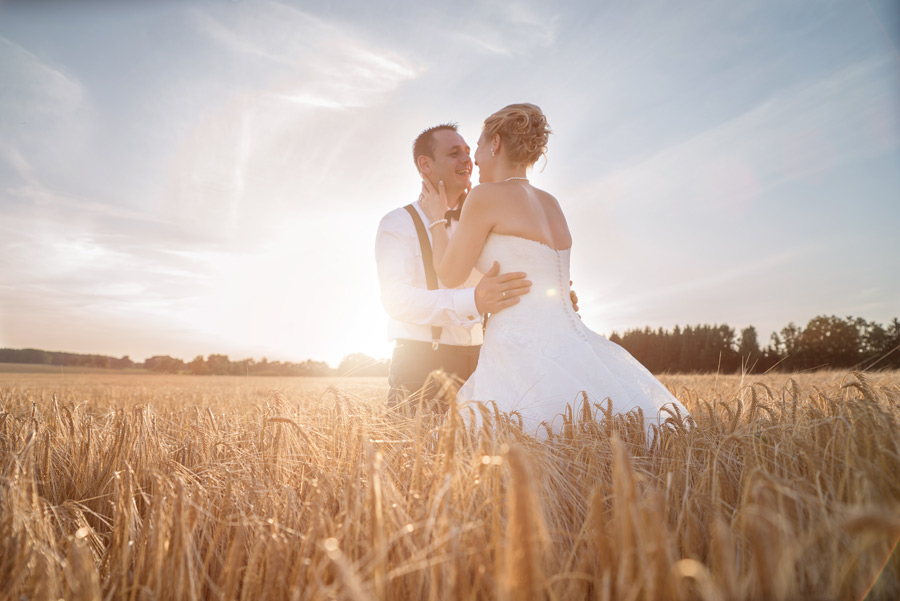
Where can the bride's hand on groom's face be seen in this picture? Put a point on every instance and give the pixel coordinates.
(497, 291)
(434, 201)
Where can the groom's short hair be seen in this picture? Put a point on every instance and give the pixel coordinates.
(424, 143)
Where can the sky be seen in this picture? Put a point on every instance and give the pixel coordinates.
(197, 177)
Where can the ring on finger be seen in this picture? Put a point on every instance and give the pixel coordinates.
(503, 294)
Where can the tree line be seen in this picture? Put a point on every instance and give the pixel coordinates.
(39, 357)
(357, 364)
(825, 342)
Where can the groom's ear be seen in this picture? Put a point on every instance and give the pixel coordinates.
(424, 164)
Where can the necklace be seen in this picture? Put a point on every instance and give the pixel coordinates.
(525, 179)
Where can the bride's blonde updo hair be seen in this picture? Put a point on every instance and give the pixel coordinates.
(523, 129)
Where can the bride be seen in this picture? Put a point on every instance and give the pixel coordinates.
(537, 355)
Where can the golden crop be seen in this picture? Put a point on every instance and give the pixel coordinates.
(151, 487)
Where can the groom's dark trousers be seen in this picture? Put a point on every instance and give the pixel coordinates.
(413, 360)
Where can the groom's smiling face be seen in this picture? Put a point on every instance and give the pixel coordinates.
(451, 163)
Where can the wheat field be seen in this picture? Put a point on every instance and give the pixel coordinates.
(155, 487)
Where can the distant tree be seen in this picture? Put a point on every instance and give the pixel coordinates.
(164, 364)
(673, 350)
(701, 348)
(320, 368)
(25, 355)
(729, 357)
(198, 366)
(879, 345)
(242, 367)
(775, 344)
(123, 363)
(828, 341)
(790, 346)
(770, 357)
(873, 339)
(267, 368)
(688, 351)
(219, 365)
(359, 364)
(894, 330)
(892, 348)
(748, 348)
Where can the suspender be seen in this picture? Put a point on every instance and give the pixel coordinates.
(430, 276)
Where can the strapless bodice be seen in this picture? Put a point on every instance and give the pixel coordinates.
(546, 268)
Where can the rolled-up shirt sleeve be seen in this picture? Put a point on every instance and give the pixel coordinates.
(400, 269)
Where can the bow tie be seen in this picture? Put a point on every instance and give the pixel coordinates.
(452, 214)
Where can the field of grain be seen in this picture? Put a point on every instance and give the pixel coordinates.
(153, 487)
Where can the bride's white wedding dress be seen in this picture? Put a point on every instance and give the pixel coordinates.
(538, 355)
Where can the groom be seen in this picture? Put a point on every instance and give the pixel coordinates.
(434, 327)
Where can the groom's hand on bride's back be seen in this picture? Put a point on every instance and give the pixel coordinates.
(573, 297)
(497, 291)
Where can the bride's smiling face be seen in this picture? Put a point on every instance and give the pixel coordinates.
(484, 159)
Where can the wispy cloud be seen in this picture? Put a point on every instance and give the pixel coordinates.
(700, 285)
(81, 269)
(46, 119)
(316, 62)
(14, 158)
(235, 42)
(314, 101)
(35, 78)
(796, 134)
(507, 29)
(311, 76)
(40, 196)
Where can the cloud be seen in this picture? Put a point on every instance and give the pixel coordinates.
(82, 276)
(37, 101)
(70, 255)
(703, 284)
(235, 42)
(44, 130)
(11, 155)
(305, 57)
(276, 148)
(798, 133)
(37, 195)
(311, 100)
(506, 29)
(30, 79)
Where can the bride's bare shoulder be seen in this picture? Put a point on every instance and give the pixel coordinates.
(482, 195)
(484, 190)
(544, 194)
(548, 199)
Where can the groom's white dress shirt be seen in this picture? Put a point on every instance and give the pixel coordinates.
(413, 308)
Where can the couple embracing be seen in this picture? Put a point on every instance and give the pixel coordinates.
(534, 355)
